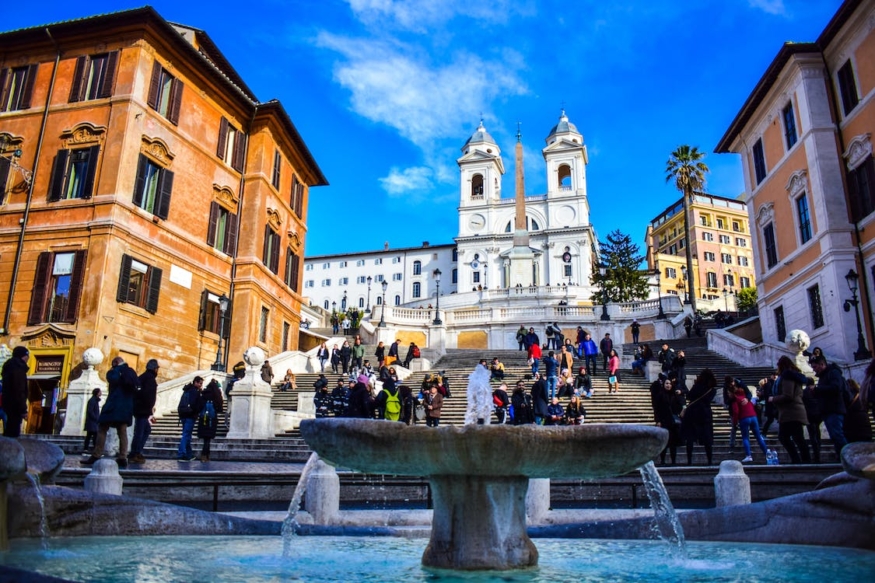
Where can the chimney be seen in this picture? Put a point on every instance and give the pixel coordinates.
(425, 243)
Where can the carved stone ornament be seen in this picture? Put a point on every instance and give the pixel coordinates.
(859, 150)
(294, 240)
(225, 197)
(10, 143)
(84, 133)
(766, 214)
(48, 336)
(797, 183)
(273, 219)
(157, 149)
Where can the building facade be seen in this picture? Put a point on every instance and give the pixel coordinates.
(720, 243)
(804, 136)
(141, 182)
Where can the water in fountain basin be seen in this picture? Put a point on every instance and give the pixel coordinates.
(290, 524)
(667, 523)
(43, 523)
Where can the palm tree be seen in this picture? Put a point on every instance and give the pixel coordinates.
(686, 168)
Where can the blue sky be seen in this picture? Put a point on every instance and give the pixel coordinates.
(386, 92)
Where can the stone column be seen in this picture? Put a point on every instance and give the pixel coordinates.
(731, 484)
(104, 478)
(322, 501)
(251, 416)
(79, 392)
(306, 406)
(537, 500)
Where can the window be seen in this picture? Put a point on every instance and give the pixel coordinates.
(729, 279)
(709, 256)
(343, 281)
(308, 267)
(232, 145)
(848, 87)
(153, 188)
(780, 326)
(73, 174)
(705, 220)
(16, 87)
(417, 268)
(455, 275)
(725, 240)
(789, 125)
(277, 167)
(771, 247)
(361, 279)
(262, 325)
(740, 242)
(310, 283)
(296, 202)
(476, 277)
(682, 243)
(804, 218)
(361, 302)
(736, 226)
(326, 265)
(712, 279)
(378, 261)
(742, 261)
(759, 161)
(815, 307)
(360, 262)
(726, 258)
(5, 167)
(397, 300)
(165, 93)
(293, 268)
(326, 283)
(671, 272)
(477, 186)
(139, 284)
(396, 260)
(285, 340)
(707, 237)
(222, 229)
(211, 316)
(566, 270)
(270, 253)
(861, 189)
(721, 223)
(673, 249)
(531, 225)
(417, 289)
(342, 264)
(396, 277)
(57, 286)
(455, 254)
(745, 281)
(93, 77)
(380, 301)
(378, 278)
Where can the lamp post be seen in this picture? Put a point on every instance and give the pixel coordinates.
(385, 285)
(437, 310)
(603, 272)
(684, 281)
(368, 304)
(725, 299)
(852, 278)
(223, 307)
(661, 314)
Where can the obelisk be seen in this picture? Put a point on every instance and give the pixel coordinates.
(522, 259)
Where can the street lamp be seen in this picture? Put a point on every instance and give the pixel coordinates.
(726, 299)
(661, 314)
(223, 307)
(852, 278)
(368, 304)
(385, 285)
(684, 276)
(437, 310)
(603, 272)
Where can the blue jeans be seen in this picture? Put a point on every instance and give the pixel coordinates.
(535, 366)
(551, 385)
(184, 450)
(590, 361)
(834, 423)
(142, 430)
(746, 425)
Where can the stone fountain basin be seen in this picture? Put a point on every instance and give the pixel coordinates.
(591, 451)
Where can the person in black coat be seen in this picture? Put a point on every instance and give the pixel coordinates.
(667, 406)
(361, 403)
(92, 414)
(697, 423)
(345, 356)
(144, 407)
(522, 406)
(15, 390)
(501, 401)
(117, 412)
(539, 399)
(209, 398)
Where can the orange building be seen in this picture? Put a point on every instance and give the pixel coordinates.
(804, 135)
(140, 182)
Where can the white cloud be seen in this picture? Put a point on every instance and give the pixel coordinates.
(422, 15)
(769, 6)
(416, 180)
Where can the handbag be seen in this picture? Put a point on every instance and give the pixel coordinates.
(612, 379)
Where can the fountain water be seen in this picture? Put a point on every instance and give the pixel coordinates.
(290, 524)
(666, 519)
(33, 478)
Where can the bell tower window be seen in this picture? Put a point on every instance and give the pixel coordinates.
(477, 187)
(564, 177)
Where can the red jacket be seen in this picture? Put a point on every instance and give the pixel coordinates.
(742, 408)
(535, 352)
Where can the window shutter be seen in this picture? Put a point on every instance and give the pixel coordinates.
(78, 81)
(175, 102)
(5, 164)
(225, 323)
(76, 286)
(231, 235)
(154, 289)
(275, 253)
(296, 268)
(4, 91)
(29, 81)
(124, 279)
(88, 187)
(154, 89)
(202, 319)
(239, 152)
(109, 75)
(287, 275)
(293, 199)
(855, 197)
(265, 258)
(40, 288)
(299, 201)
(223, 138)
(165, 187)
(211, 226)
(59, 172)
(140, 182)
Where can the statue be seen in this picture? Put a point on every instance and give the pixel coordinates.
(797, 342)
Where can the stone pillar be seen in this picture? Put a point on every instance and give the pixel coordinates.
(104, 478)
(537, 500)
(731, 484)
(652, 368)
(251, 416)
(79, 392)
(306, 406)
(322, 500)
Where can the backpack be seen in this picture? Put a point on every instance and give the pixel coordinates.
(208, 417)
(393, 406)
(416, 352)
(186, 407)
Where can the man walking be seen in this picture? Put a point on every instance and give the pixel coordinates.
(830, 386)
(551, 371)
(666, 358)
(605, 346)
(117, 412)
(187, 410)
(358, 354)
(144, 407)
(636, 331)
(590, 351)
(15, 390)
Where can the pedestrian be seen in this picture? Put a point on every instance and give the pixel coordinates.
(688, 325)
(679, 368)
(787, 399)
(532, 338)
(358, 353)
(267, 372)
(521, 403)
(117, 412)
(636, 331)
(380, 353)
(433, 402)
(388, 402)
(549, 333)
(566, 358)
(575, 412)
(666, 357)
(496, 370)
(335, 359)
(361, 402)
(558, 336)
(642, 356)
(323, 400)
(323, 354)
(144, 411)
(187, 410)
(289, 383)
(339, 397)
(605, 347)
(345, 357)
(209, 405)
(829, 389)
(92, 414)
(744, 414)
(613, 372)
(551, 371)
(856, 427)
(667, 406)
(412, 352)
(408, 405)
(697, 421)
(540, 399)
(583, 383)
(767, 388)
(501, 401)
(590, 352)
(521, 337)
(14, 376)
(534, 358)
(555, 413)
(814, 412)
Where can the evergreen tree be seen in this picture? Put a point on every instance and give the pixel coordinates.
(747, 299)
(623, 281)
